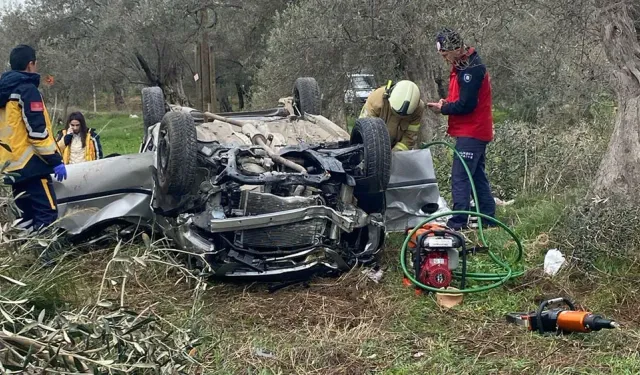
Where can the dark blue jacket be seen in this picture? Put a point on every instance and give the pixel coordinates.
(469, 102)
(25, 127)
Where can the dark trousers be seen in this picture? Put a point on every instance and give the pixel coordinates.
(38, 203)
(473, 152)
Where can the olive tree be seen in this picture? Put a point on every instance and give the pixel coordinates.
(619, 172)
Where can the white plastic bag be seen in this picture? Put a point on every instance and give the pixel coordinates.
(553, 261)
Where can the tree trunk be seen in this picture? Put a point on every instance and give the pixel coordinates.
(225, 104)
(66, 99)
(619, 171)
(170, 81)
(118, 96)
(95, 99)
(422, 71)
(240, 91)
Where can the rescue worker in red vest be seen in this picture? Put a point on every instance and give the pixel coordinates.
(25, 127)
(468, 106)
(400, 107)
(78, 143)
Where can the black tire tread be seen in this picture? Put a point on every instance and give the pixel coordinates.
(153, 108)
(182, 163)
(308, 95)
(377, 145)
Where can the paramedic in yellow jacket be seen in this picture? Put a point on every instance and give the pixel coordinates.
(400, 107)
(78, 143)
(25, 127)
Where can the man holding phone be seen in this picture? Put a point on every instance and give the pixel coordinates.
(470, 121)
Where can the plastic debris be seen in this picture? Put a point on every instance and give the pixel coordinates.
(373, 274)
(500, 202)
(264, 353)
(553, 261)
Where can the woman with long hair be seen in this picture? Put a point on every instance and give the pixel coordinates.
(78, 143)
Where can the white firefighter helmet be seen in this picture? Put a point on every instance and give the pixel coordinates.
(404, 97)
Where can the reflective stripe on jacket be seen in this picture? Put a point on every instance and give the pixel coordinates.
(403, 130)
(25, 127)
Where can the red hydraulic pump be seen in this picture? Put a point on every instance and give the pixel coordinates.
(436, 251)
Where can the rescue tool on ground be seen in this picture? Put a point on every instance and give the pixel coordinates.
(560, 320)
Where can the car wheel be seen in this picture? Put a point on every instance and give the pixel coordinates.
(176, 154)
(370, 189)
(306, 96)
(153, 108)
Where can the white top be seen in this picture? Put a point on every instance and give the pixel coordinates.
(77, 151)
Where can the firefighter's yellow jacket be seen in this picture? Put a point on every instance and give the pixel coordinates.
(403, 130)
(25, 127)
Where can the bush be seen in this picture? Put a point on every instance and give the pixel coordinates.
(530, 159)
(602, 230)
(524, 158)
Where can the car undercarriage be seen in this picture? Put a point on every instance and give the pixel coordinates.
(272, 194)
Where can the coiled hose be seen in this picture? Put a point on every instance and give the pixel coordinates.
(497, 278)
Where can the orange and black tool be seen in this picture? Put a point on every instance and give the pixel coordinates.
(560, 320)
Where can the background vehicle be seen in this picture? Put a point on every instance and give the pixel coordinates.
(360, 86)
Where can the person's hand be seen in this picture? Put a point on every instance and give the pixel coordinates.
(68, 138)
(437, 107)
(60, 172)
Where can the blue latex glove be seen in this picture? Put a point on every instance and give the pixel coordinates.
(60, 172)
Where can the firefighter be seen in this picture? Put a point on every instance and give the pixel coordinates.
(78, 142)
(400, 107)
(470, 121)
(25, 127)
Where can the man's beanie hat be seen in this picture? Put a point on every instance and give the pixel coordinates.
(448, 40)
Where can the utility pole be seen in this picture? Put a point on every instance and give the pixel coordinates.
(205, 66)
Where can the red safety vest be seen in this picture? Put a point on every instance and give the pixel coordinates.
(477, 124)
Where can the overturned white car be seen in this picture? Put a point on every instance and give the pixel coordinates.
(265, 194)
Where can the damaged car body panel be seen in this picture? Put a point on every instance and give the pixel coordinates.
(266, 194)
(105, 191)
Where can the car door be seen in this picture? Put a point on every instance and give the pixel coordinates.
(412, 194)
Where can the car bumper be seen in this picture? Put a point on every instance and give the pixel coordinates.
(310, 259)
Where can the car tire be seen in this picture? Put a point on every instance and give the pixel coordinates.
(153, 108)
(370, 189)
(176, 154)
(306, 96)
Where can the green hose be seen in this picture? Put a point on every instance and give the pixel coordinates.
(497, 278)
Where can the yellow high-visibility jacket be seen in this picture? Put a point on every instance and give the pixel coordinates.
(92, 148)
(403, 130)
(25, 127)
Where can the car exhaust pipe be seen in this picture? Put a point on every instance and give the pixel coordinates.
(258, 139)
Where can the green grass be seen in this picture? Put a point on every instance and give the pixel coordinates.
(354, 326)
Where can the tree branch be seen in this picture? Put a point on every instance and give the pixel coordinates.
(151, 77)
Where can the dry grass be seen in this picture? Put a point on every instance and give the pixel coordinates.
(351, 325)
